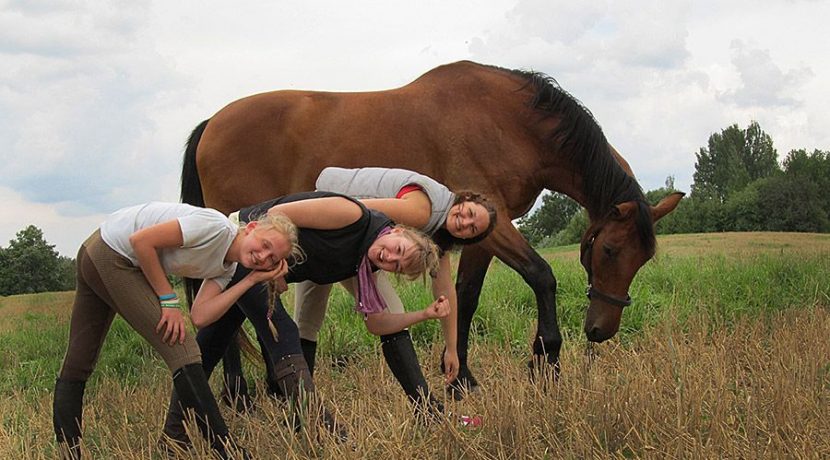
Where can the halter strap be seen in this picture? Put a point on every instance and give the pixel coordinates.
(591, 291)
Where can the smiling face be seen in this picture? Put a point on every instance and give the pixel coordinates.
(467, 220)
(262, 249)
(393, 252)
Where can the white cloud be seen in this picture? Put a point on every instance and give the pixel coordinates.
(762, 82)
(97, 99)
(66, 233)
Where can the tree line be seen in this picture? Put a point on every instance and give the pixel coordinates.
(29, 264)
(739, 185)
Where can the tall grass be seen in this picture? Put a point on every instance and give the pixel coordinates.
(721, 355)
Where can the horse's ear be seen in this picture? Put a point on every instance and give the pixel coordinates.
(666, 205)
(623, 211)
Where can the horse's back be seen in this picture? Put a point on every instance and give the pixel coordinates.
(451, 123)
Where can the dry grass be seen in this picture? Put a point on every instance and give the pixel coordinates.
(760, 389)
(732, 244)
(14, 307)
(755, 387)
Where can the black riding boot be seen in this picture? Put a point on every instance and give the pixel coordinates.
(67, 412)
(310, 353)
(191, 387)
(235, 393)
(403, 362)
(293, 380)
(175, 437)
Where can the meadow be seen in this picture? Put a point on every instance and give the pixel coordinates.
(725, 353)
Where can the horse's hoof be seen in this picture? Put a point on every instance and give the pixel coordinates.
(540, 368)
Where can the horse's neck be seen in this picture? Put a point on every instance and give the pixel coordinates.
(562, 176)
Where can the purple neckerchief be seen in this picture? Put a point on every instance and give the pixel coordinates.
(369, 300)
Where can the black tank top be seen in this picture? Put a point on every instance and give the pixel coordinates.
(331, 255)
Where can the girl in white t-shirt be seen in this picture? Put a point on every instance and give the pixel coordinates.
(122, 268)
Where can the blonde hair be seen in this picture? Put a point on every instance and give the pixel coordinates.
(424, 256)
(280, 223)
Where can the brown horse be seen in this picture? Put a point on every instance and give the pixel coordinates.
(506, 133)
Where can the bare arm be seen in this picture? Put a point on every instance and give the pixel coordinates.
(320, 213)
(413, 209)
(442, 285)
(146, 244)
(212, 302)
(389, 323)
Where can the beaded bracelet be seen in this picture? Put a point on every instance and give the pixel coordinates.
(170, 296)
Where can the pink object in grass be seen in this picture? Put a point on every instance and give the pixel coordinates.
(471, 421)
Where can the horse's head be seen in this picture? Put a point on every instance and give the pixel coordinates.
(613, 249)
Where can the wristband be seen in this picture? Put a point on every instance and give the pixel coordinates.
(169, 303)
(168, 296)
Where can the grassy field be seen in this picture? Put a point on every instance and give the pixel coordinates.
(725, 353)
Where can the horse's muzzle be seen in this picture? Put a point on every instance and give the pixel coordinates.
(597, 334)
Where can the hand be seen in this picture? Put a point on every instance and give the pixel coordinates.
(280, 285)
(451, 366)
(171, 325)
(438, 309)
(279, 270)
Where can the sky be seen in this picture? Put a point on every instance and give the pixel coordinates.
(98, 98)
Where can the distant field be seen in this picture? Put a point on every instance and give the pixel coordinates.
(736, 244)
(725, 353)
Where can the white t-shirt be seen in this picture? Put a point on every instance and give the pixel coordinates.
(207, 236)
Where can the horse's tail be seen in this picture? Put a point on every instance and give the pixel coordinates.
(191, 184)
(192, 194)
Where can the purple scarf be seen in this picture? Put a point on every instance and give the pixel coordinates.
(369, 300)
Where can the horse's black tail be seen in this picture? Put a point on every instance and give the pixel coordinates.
(192, 194)
(191, 185)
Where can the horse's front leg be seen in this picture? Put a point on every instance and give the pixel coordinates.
(509, 246)
(471, 270)
(512, 249)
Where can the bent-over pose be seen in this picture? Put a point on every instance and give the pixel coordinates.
(411, 199)
(122, 268)
(340, 239)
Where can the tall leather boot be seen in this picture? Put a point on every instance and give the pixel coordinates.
(194, 393)
(310, 352)
(175, 437)
(67, 413)
(235, 392)
(292, 378)
(403, 362)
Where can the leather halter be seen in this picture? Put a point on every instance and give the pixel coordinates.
(591, 291)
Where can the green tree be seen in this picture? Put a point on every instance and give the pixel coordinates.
(734, 158)
(811, 167)
(792, 205)
(30, 264)
(743, 211)
(572, 233)
(554, 214)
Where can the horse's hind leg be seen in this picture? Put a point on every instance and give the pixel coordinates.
(471, 270)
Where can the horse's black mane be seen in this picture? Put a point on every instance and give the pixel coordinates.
(578, 135)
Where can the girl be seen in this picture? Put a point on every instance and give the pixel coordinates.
(122, 268)
(411, 199)
(341, 239)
